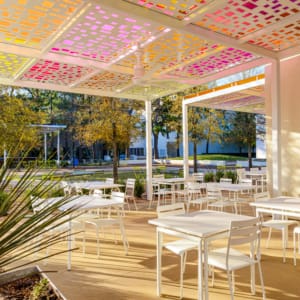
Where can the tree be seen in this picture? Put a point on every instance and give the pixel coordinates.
(204, 124)
(112, 121)
(242, 131)
(161, 118)
(15, 121)
(175, 122)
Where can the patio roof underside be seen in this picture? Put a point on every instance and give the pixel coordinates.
(141, 49)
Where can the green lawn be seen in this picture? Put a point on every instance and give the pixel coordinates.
(215, 157)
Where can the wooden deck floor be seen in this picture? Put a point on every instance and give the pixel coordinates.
(115, 276)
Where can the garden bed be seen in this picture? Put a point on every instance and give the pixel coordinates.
(28, 284)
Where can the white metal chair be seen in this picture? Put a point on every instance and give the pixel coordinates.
(194, 194)
(232, 258)
(217, 200)
(199, 177)
(110, 220)
(129, 192)
(277, 222)
(181, 246)
(159, 192)
(296, 240)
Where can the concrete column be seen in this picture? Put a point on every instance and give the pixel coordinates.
(58, 147)
(45, 147)
(283, 126)
(148, 149)
(185, 138)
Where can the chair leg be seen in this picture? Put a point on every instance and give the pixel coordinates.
(182, 266)
(252, 270)
(284, 242)
(269, 237)
(261, 281)
(294, 243)
(230, 285)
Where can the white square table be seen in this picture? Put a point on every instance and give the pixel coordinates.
(201, 226)
(285, 206)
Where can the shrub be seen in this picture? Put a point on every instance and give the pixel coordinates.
(219, 174)
(232, 175)
(209, 177)
(139, 188)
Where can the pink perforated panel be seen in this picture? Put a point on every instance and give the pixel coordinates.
(238, 18)
(104, 35)
(47, 71)
(221, 60)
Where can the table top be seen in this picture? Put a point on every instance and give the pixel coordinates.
(256, 173)
(233, 187)
(91, 185)
(201, 224)
(86, 202)
(279, 203)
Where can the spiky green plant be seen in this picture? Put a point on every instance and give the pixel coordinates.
(21, 230)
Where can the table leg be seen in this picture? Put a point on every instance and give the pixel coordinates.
(200, 271)
(159, 241)
(205, 269)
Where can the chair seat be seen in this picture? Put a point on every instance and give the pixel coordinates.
(236, 259)
(180, 246)
(279, 224)
(103, 222)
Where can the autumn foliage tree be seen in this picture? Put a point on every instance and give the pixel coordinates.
(16, 119)
(111, 121)
(204, 124)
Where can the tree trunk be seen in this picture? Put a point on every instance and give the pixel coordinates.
(195, 157)
(155, 142)
(250, 156)
(177, 145)
(207, 146)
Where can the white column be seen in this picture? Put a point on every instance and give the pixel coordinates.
(276, 128)
(45, 147)
(148, 149)
(185, 139)
(58, 147)
(4, 157)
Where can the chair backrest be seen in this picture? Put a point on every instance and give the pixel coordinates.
(129, 188)
(118, 196)
(240, 174)
(98, 193)
(254, 169)
(225, 180)
(246, 181)
(262, 196)
(109, 180)
(245, 232)
(212, 192)
(170, 209)
(199, 177)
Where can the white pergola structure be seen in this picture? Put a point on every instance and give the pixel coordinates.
(46, 129)
(146, 49)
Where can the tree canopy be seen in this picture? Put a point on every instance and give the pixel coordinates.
(15, 121)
